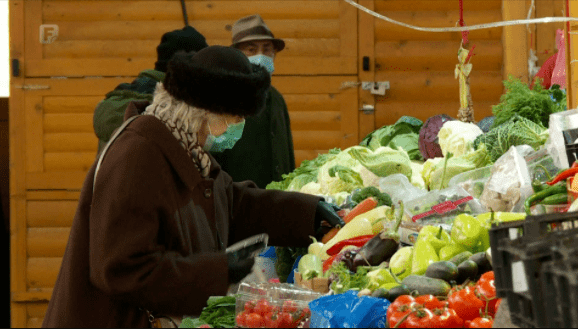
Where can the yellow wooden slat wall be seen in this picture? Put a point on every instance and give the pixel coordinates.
(420, 65)
(111, 38)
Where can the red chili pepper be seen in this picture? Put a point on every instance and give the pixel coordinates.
(328, 262)
(575, 164)
(563, 175)
(357, 241)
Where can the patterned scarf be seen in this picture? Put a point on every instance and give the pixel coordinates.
(177, 116)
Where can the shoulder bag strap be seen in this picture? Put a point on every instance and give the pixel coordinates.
(112, 139)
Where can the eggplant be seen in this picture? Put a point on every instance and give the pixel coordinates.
(380, 248)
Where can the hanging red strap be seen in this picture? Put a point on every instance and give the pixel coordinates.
(461, 22)
(470, 54)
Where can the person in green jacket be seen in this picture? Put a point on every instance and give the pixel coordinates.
(265, 151)
(109, 113)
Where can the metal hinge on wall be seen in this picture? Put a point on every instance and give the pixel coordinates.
(32, 87)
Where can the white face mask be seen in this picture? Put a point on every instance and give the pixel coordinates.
(263, 60)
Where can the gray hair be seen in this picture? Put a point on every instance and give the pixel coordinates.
(175, 111)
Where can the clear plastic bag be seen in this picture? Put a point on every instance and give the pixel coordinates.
(509, 185)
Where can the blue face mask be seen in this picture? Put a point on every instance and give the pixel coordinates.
(263, 60)
(226, 141)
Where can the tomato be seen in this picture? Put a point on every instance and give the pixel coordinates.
(240, 318)
(481, 323)
(465, 302)
(303, 314)
(486, 290)
(430, 302)
(262, 307)
(398, 310)
(289, 306)
(284, 320)
(254, 320)
(250, 306)
(271, 320)
(498, 302)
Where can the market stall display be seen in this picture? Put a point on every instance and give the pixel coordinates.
(422, 203)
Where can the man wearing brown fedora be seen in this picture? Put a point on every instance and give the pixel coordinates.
(265, 151)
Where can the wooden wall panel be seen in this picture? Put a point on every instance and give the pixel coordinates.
(420, 65)
(110, 38)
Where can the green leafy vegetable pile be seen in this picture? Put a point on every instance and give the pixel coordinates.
(516, 131)
(535, 105)
(304, 174)
(344, 280)
(404, 133)
(219, 313)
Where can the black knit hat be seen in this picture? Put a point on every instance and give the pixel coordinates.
(218, 79)
(186, 39)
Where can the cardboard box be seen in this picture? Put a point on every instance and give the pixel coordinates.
(316, 284)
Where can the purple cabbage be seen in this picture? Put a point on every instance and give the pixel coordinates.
(428, 136)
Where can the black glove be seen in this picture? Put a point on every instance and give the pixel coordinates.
(240, 265)
(326, 218)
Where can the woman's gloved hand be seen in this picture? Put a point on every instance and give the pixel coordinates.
(326, 218)
(240, 265)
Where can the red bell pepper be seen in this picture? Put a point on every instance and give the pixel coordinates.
(359, 241)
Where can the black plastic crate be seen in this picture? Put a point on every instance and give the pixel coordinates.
(519, 249)
(560, 286)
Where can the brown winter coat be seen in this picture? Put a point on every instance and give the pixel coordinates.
(149, 237)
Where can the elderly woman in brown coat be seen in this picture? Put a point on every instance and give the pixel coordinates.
(153, 224)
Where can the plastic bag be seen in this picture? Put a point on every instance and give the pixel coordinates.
(563, 130)
(559, 73)
(509, 185)
(348, 311)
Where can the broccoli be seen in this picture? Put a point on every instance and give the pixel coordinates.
(383, 199)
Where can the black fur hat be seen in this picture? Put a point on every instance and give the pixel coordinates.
(218, 79)
(185, 39)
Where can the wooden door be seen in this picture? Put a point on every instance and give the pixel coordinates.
(71, 53)
(419, 66)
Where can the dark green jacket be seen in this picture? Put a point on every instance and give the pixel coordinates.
(265, 151)
(109, 114)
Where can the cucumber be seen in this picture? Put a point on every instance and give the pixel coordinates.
(481, 259)
(462, 257)
(444, 270)
(467, 270)
(398, 291)
(427, 286)
(380, 293)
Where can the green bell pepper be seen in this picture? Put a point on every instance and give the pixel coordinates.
(401, 262)
(467, 231)
(424, 254)
(378, 278)
(451, 250)
(435, 235)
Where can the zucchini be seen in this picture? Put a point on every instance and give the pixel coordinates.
(483, 262)
(426, 286)
(444, 270)
(467, 270)
(461, 257)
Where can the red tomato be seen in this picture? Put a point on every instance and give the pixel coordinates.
(465, 302)
(398, 310)
(262, 307)
(271, 320)
(481, 323)
(205, 326)
(498, 302)
(240, 319)
(250, 306)
(254, 320)
(284, 320)
(486, 290)
(430, 302)
(290, 306)
(303, 314)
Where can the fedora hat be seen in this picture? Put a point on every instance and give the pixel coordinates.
(254, 28)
